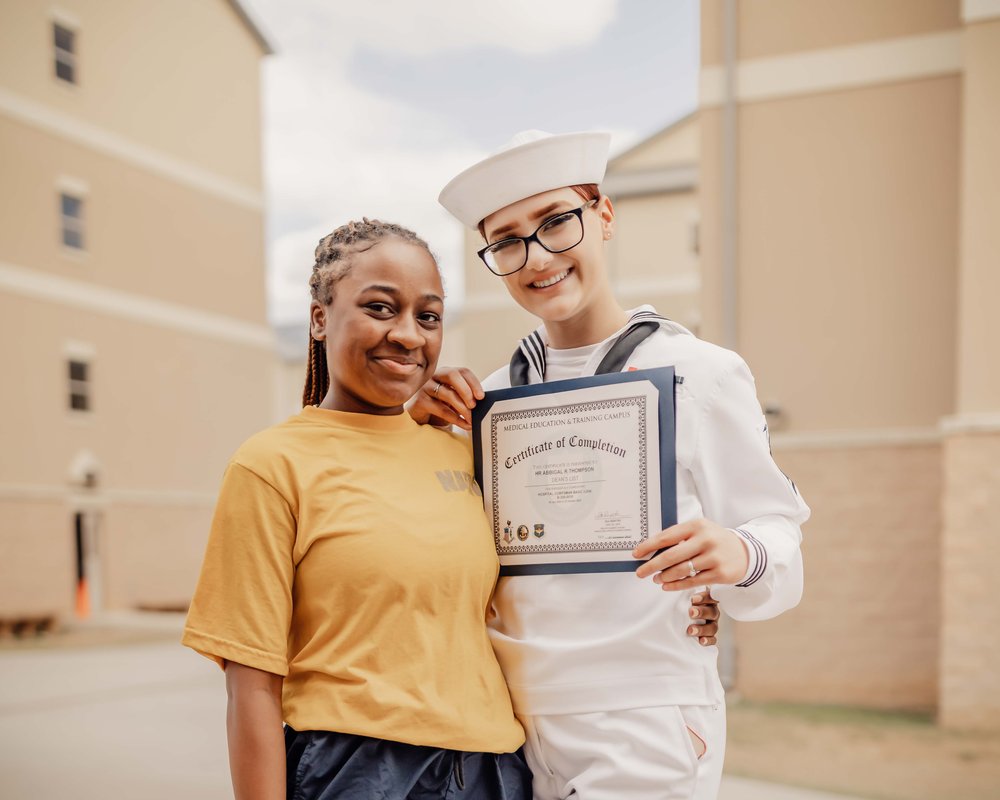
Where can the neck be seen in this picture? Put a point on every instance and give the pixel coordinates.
(590, 326)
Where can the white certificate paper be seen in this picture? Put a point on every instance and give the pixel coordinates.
(572, 472)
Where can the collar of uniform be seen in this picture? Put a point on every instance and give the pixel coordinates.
(533, 346)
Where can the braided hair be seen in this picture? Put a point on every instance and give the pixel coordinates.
(333, 262)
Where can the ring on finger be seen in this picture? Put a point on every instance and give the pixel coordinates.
(437, 389)
(691, 570)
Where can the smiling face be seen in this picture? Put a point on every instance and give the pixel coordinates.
(560, 288)
(382, 328)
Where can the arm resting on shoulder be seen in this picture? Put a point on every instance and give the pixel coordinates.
(256, 738)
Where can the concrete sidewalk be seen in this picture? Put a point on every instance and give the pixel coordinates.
(145, 721)
(745, 789)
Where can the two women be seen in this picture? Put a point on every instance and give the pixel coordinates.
(348, 575)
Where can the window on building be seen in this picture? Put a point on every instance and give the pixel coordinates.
(64, 40)
(79, 385)
(71, 211)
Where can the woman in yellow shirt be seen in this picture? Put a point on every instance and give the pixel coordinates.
(350, 566)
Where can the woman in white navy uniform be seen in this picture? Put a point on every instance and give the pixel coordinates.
(616, 701)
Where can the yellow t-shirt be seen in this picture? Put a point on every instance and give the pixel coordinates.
(350, 554)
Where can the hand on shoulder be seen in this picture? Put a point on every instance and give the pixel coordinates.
(447, 399)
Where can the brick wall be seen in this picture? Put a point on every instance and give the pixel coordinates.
(970, 636)
(867, 630)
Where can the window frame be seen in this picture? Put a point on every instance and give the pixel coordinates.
(70, 224)
(68, 58)
(80, 384)
(79, 387)
(76, 190)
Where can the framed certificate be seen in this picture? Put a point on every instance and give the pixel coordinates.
(576, 473)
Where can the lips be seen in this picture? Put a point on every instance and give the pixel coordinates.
(399, 365)
(551, 280)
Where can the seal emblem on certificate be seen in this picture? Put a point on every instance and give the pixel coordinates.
(591, 459)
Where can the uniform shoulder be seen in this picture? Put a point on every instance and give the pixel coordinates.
(701, 364)
(669, 343)
(498, 379)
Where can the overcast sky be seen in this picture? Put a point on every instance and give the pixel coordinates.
(370, 107)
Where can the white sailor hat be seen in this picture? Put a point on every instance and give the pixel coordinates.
(530, 163)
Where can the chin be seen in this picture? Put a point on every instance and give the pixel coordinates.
(553, 309)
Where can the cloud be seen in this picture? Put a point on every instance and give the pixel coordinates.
(414, 28)
(335, 154)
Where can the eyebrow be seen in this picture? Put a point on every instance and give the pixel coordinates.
(542, 212)
(378, 287)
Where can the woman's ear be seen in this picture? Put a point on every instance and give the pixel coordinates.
(317, 320)
(607, 213)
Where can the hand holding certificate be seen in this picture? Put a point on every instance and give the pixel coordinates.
(575, 474)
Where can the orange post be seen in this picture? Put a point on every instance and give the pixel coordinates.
(82, 599)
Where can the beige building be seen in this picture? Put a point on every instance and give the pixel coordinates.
(136, 354)
(849, 207)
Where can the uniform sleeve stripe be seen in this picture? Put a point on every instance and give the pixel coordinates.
(761, 552)
(761, 562)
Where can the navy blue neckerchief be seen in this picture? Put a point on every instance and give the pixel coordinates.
(613, 361)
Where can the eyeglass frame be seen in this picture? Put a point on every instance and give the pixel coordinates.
(534, 238)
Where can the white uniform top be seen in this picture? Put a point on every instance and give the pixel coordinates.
(576, 643)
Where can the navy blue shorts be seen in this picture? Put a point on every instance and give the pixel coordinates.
(327, 766)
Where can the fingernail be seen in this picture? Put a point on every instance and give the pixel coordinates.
(704, 640)
(696, 598)
(692, 630)
(693, 612)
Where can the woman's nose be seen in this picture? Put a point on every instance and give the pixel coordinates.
(406, 332)
(538, 257)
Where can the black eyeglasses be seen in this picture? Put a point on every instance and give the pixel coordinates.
(557, 235)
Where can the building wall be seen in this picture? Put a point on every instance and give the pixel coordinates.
(970, 688)
(969, 695)
(779, 27)
(166, 301)
(169, 408)
(144, 233)
(178, 78)
(678, 144)
(867, 630)
(848, 249)
(847, 233)
(651, 259)
(979, 384)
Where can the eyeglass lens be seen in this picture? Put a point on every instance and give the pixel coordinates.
(556, 235)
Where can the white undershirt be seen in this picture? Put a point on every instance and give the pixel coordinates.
(564, 364)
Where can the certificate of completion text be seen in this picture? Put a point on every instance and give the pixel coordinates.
(573, 477)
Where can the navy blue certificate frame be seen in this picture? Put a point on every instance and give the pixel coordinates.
(662, 378)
